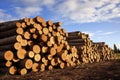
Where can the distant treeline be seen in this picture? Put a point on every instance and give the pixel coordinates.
(116, 50)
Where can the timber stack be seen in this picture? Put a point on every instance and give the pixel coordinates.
(33, 44)
(88, 50)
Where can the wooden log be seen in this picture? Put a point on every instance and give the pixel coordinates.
(12, 70)
(7, 47)
(45, 31)
(45, 61)
(42, 67)
(37, 57)
(35, 67)
(49, 23)
(8, 33)
(17, 45)
(50, 67)
(44, 49)
(23, 42)
(39, 19)
(54, 62)
(21, 53)
(7, 55)
(22, 71)
(23, 25)
(44, 38)
(36, 48)
(49, 44)
(52, 51)
(8, 40)
(58, 24)
(27, 35)
(60, 47)
(9, 25)
(26, 63)
(76, 40)
(8, 64)
(49, 57)
(76, 44)
(31, 54)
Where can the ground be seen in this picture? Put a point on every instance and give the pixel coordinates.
(106, 70)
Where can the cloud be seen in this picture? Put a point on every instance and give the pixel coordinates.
(28, 11)
(108, 33)
(75, 11)
(85, 11)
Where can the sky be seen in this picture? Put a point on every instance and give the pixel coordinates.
(98, 18)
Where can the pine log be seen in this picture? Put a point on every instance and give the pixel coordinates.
(36, 48)
(22, 71)
(37, 57)
(12, 70)
(35, 67)
(21, 53)
(9, 25)
(7, 55)
(8, 40)
(26, 63)
(8, 33)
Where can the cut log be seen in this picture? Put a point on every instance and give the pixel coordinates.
(44, 49)
(26, 63)
(45, 31)
(8, 64)
(12, 70)
(27, 35)
(7, 55)
(21, 53)
(36, 49)
(35, 67)
(9, 25)
(42, 67)
(31, 54)
(39, 19)
(37, 57)
(17, 45)
(44, 38)
(23, 71)
(52, 51)
(49, 23)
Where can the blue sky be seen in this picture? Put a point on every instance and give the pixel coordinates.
(99, 18)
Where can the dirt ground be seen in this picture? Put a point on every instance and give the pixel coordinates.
(106, 70)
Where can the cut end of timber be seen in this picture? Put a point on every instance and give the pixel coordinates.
(36, 48)
(8, 55)
(28, 64)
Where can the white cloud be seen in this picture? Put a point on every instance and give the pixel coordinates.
(80, 11)
(28, 11)
(83, 11)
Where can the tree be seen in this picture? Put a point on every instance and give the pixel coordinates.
(115, 49)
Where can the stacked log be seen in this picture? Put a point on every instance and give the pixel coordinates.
(33, 44)
(104, 52)
(89, 51)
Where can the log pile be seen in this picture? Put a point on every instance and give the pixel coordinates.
(88, 50)
(33, 44)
